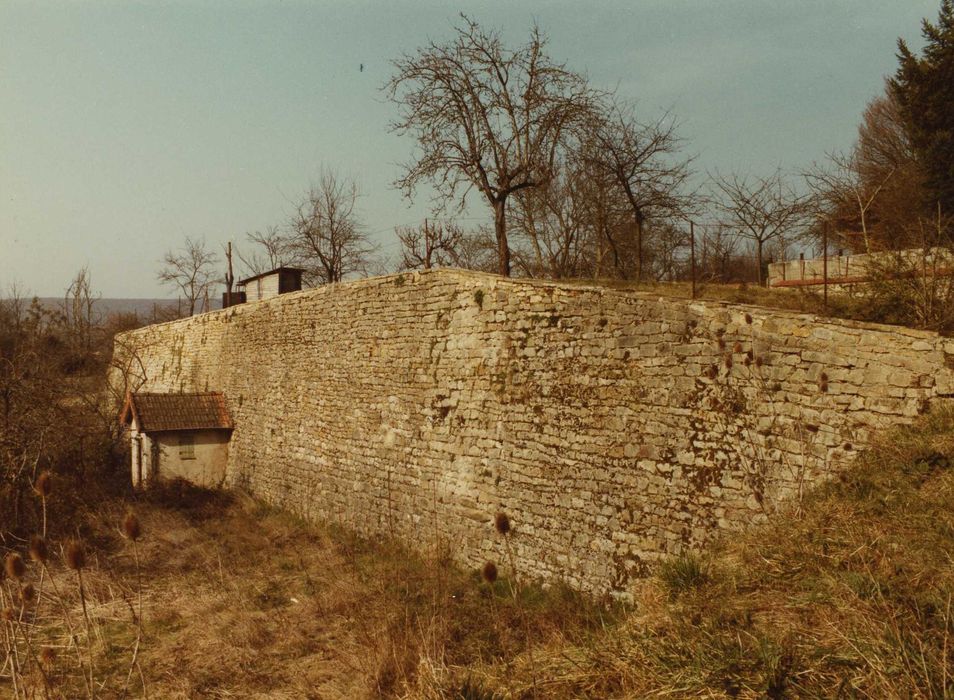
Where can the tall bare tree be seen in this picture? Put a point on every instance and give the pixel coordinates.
(191, 271)
(645, 162)
(844, 195)
(270, 249)
(558, 223)
(761, 209)
(875, 195)
(485, 116)
(326, 237)
(78, 305)
(432, 243)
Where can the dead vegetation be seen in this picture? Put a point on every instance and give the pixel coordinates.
(850, 597)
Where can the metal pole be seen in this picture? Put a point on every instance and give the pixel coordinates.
(825, 261)
(692, 255)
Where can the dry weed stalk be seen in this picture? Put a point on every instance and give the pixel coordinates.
(133, 531)
(29, 658)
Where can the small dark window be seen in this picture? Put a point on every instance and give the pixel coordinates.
(186, 447)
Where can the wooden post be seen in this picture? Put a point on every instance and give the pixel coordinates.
(229, 277)
(825, 262)
(692, 256)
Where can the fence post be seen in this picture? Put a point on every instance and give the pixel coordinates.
(692, 255)
(825, 261)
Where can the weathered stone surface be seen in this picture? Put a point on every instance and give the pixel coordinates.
(614, 427)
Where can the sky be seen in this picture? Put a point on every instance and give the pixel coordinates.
(127, 126)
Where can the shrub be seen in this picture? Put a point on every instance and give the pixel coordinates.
(683, 573)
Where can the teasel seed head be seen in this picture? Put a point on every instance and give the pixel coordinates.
(14, 566)
(48, 655)
(28, 594)
(75, 555)
(489, 572)
(131, 527)
(748, 319)
(8, 615)
(737, 347)
(44, 484)
(502, 523)
(39, 552)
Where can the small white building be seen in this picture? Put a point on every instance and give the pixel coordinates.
(178, 436)
(270, 284)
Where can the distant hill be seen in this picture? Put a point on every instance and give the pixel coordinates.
(143, 308)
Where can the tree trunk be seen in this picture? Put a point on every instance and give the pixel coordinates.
(638, 217)
(758, 261)
(617, 263)
(500, 229)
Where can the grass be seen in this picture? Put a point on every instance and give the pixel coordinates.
(849, 597)
(241, 600)
(801, 300)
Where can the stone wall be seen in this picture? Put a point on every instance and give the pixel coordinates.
(847, 271)
(613, 427)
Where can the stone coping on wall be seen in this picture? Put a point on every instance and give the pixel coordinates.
(495, 280)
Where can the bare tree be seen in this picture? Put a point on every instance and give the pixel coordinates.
(326, 237)
(760, 209)
(842, 194)
(485, 117)
(557, 224)
(875, 194)
(191, 271)
(478, 250)
(430, 244)
(270, 250)
(643, 160)
(78, 305)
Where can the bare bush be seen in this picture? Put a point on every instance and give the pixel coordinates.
(326, 237)
(191, 271)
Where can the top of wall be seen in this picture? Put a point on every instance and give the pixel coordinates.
(474, 279)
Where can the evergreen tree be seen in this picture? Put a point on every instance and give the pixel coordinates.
(924, 89)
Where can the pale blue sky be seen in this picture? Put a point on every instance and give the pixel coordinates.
(125, 127)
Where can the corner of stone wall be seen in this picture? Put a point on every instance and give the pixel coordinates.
(944, 384)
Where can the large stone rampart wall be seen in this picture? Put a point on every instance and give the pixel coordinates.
(613, 427)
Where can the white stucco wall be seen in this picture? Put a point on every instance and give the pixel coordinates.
(160, 457)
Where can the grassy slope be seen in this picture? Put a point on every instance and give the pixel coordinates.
(877, 308)
(848, 595)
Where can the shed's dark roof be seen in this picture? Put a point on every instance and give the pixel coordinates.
(159, 412)
(296, 270)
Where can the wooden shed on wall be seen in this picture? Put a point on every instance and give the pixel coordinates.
(269, 284)
(178, 436)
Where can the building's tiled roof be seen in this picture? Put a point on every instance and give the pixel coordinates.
(159, 412)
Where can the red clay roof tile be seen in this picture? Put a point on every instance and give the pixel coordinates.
(160, 412)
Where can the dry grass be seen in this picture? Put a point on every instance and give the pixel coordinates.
(802, 299)
(851, 597)
(244, 601)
